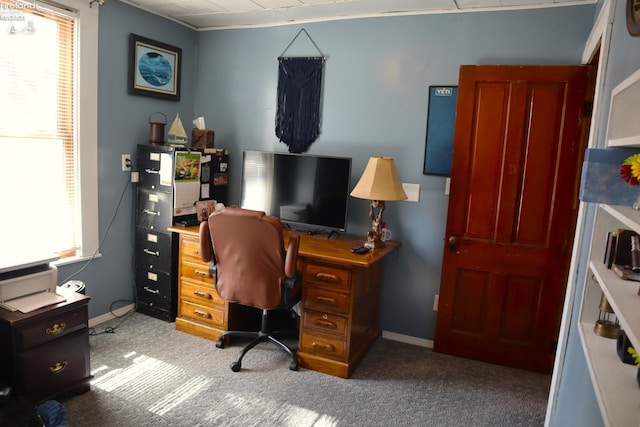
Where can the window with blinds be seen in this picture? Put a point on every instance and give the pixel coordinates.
(39, 180)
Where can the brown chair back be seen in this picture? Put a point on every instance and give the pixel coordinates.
(251, 262)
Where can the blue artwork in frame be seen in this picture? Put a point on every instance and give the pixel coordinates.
(441, 118)
(154, 68)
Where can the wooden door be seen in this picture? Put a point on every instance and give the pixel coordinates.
(518, 150)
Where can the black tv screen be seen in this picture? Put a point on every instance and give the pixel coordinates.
(304, 191)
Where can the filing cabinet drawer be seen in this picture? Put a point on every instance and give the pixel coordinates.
(198, 272)
(335, 278)
(200, 294)
(154, 209)
(55, 366)
(153, 250)
(325, 322)
(154, 287)
(322, 344)
(52, 328)
(325, 300)
(210, 315)
(156, 167)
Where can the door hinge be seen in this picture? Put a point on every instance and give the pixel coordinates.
(553, 347)
(587, 108)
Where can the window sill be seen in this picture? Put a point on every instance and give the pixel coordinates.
(75, 259)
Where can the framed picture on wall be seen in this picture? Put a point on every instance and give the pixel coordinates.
(154, 68)
(441, 118)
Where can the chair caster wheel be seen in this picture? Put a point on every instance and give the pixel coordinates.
(235, 366)
(220, 343)
(293, 366)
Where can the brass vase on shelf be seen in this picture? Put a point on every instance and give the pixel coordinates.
(607, 324)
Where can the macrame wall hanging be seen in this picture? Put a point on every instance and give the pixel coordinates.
(299, 94)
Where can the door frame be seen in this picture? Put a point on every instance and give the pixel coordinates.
(599, 38)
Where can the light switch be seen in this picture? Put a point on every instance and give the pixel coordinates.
(412, 190)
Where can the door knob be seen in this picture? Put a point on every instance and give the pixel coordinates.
(453, 243)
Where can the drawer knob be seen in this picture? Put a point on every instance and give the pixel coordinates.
(202, 294)
(323, 346)
(201, 273)
(327, 300)
(202, 314)
(56, 328)
(58, 367)
(327, 277)
(326, 323)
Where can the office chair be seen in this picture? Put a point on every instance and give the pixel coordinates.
(246, 252)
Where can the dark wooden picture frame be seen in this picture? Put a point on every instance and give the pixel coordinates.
(441, 118)
(154, 68)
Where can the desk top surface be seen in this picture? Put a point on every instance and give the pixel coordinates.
(337, 249)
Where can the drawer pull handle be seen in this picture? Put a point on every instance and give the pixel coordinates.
(152, 291)
(202, 314)
(151, 171)
(202, 294)
(328, 277)
(323, 346)
(58, 367)
(56, 328)
(147, 251)
(197, 252)
(326, 323)
(327, 300)
(150, 212)
(202, 273)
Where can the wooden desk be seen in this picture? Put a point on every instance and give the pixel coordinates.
(340, 300)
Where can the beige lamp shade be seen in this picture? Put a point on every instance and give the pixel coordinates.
(379, 181)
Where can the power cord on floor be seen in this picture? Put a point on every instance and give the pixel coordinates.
(112, 329)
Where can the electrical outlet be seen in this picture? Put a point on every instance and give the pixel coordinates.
(126, 162)
(435, 302)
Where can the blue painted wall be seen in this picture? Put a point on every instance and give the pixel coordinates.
(375, 98)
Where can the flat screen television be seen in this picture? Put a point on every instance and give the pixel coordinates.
(306, 192)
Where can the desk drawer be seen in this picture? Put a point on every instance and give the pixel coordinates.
(210, 315)
(326, 301)
(325, 322)
(56, 365)
(198, 272)
(200, 294)
(322, 345)
(53, 328)
(335, 278)
(190, 250)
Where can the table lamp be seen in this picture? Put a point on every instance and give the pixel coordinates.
(379, 183)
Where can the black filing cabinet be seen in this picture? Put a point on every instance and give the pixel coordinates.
(155, 252)
(156, 249)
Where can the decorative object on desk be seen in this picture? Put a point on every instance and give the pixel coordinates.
(154, 68)
(177, 137)
(630, 172)
(636, 360)
(601, 183)
(441, 117)
(622, 348)
(298, 98)
(204, 208)
(379, 183)
(156, 129)
(607, 324)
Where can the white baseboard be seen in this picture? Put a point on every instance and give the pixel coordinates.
(421, 342)
(111, 315)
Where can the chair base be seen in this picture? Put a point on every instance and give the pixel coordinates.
(258, 337)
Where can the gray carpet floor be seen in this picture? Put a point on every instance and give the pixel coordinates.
(148, 374)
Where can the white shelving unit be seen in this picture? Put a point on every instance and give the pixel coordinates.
(614, 382)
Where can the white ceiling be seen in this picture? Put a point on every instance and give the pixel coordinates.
(223, 14)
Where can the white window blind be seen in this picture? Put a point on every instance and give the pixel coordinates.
(38, 128)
